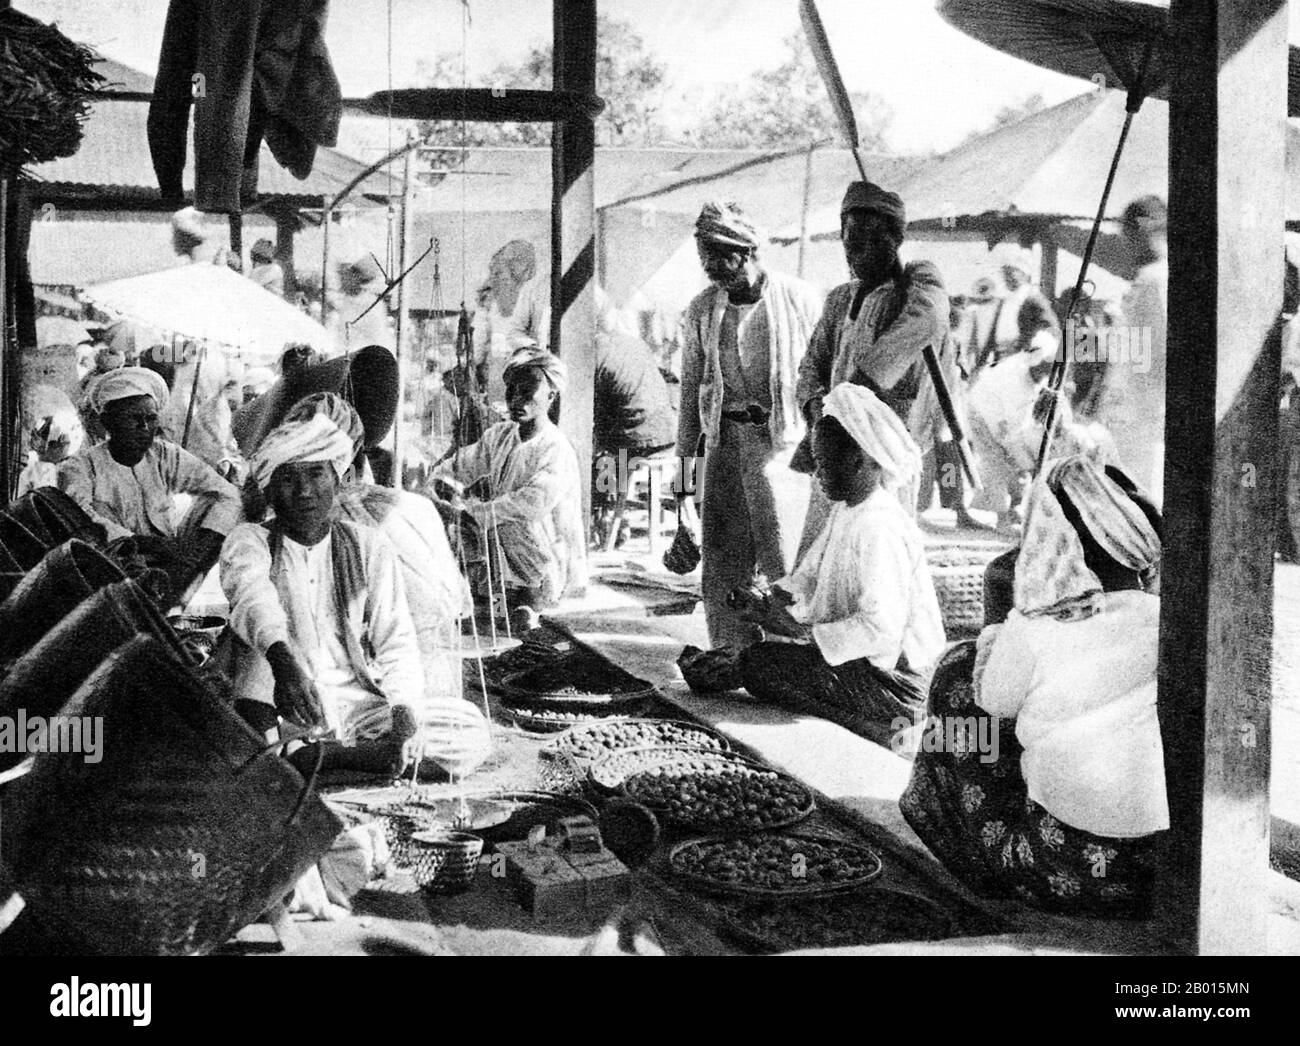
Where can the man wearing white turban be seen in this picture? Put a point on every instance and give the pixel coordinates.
(126, 484)
(319, 607)
(523, 503)
(857, 623)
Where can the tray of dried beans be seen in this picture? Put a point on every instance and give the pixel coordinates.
(734, 797)
(589, 744)
(783, 865)
(607, 775)
(555, 720)
(575, 683)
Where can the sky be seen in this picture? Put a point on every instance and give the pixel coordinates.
(939, 83)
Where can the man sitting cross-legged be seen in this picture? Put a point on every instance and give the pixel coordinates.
(320, 607)
(127, 483)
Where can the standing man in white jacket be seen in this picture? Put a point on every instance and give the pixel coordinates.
(745, 337)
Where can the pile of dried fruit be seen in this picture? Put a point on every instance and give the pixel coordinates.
(784, 863)
(736, 797)
(617, 767)
(595, 742)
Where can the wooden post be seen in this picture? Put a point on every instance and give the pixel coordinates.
(286, 224)
(1051, 253)
(1227, 126)
(405, 254)
(803, 208)
(573, 246)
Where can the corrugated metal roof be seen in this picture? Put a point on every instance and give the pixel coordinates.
(114, 157)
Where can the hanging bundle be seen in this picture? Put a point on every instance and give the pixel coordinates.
(46, 84)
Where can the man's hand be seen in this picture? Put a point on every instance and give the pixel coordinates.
(812, 411)
(296, 696)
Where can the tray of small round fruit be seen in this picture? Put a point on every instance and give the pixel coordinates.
(590, 743)
(773, 864)
(736, 796)
(607, 776)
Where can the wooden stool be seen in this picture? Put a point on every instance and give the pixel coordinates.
(660, 473)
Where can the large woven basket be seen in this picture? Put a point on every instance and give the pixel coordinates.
(958, 574)
(187, 829)
(69, 574)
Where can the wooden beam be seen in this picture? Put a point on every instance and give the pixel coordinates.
(1227, 126)
(573, 239)
(483, 105)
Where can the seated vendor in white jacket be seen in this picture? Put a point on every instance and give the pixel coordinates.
(321, 603)
(857, 623)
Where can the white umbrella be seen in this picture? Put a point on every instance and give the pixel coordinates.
(213, 305)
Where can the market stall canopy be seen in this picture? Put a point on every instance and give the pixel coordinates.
(1087, 39)
(212, 304)
(1050, 167)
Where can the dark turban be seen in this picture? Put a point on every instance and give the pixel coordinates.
(867, 196)
(726, 225)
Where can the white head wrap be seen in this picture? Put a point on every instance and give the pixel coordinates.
(535, 357)
(881, 435)
(128, 381)
(317, 439)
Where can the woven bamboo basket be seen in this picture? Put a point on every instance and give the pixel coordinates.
(187, 828)
(958, 574)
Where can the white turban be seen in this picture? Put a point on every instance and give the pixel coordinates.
(317, 439)
(128, 381)
(543, 360)
(882, 436)
(1008, 255)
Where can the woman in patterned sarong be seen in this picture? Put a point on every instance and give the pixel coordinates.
(1041, 773)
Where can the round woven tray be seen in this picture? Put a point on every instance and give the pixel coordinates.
(607, 776)
(630, 789)
(643, 733)
(798, 888)
(538, 721)
(875, 915)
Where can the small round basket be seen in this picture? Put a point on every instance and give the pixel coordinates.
(399, 826)
(958, 575)
(456, 859)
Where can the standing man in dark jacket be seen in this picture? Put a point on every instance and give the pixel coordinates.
(874, 328)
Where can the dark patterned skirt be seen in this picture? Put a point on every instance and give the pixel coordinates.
(871, 702)
(969, 804)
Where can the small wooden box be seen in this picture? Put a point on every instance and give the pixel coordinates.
(552, 882)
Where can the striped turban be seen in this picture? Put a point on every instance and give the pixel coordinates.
(316, 439)
(726, 225)
(334, 407)
(543, 360)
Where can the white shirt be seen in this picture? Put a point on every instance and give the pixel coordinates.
(1083, 695)
(536, 504)
(865, 588)
(297, 607)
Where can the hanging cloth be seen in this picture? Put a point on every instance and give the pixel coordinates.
(252, 69)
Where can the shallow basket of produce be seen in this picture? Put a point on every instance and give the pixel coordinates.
(606, 776)
(874, 915)
(555, 720)
(590, 743)
(772, 865)
(578, 683)
(734, 796)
